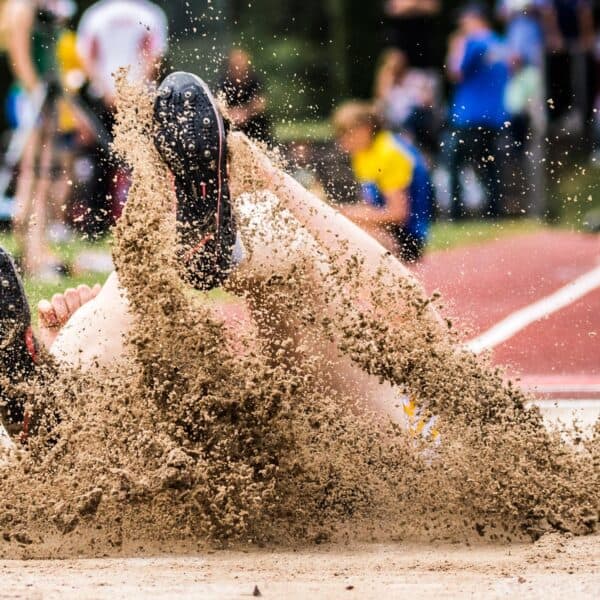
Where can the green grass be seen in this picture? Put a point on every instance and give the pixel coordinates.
(293, 131)
(452, 235)
(67, 252)
(37, 290)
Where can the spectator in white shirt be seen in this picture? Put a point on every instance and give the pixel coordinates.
(113, 34)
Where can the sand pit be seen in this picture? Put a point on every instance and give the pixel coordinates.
(192, 444)
(554, 567)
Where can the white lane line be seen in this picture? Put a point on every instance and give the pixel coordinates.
(586, 412)
(521, 319)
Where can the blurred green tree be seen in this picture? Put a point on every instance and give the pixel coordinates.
(311, 53)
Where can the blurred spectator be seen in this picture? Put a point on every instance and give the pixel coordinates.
(397, 194)
(412, 28)
(570, 38)
(244, 96)
(5, 72)
(405, 98)
(525, 101)
(303, 168)
(114, 34)
(524, 29)
(478, 66)
(72, 127)
(569, 23)
(525, 96)
(36, 28)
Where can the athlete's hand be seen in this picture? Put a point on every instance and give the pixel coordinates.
(55, 313)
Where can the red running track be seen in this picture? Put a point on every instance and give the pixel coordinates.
(484, 283)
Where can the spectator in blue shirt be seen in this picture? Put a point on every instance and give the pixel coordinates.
(478, 66)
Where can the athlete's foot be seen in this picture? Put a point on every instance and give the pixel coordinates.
(55, 313)
(18, 348)
(190, 137)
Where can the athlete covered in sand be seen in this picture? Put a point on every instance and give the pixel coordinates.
(287, 226)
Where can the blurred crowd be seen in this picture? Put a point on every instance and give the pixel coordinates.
(479, 113)
(450, 131)
(59, 177)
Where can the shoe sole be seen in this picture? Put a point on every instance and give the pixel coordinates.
(190, 137)
(15, 317)
(17, 344)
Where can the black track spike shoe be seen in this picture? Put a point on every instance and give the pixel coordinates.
(18, 349)
(189, 134)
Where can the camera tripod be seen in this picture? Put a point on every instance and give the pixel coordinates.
(46, 121)
(45, 154)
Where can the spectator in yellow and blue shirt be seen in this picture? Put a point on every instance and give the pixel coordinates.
(396, 187)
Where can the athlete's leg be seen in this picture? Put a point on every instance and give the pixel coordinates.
(279, 248)
(296, 229)
(338, 236)
(94, 334)
(190, 137)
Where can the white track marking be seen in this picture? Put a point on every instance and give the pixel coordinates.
(521, 319)
(585, 412)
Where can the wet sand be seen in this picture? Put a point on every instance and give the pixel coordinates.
(554, 567)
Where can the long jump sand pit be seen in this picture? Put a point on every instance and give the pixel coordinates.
(554, 567)
(195, 441)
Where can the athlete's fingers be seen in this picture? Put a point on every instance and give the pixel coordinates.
(46, 314)
(60, 308)
(85, 294)
(96, 290)
(73, 300)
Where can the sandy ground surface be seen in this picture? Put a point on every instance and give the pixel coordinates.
(554, 567)
(551, 568)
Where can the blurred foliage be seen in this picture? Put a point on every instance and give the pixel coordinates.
(314, 130)
(574, 198)
(311, 53)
